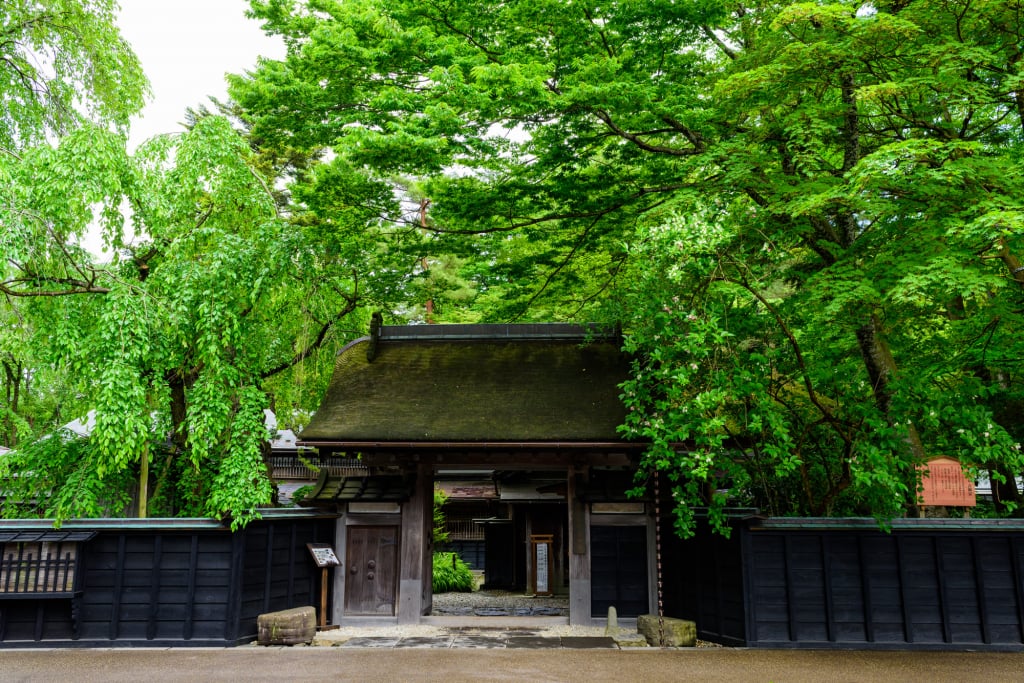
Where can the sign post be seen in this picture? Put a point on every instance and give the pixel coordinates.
(324, 557)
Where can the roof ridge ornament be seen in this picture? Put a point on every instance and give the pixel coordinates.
(376, 321)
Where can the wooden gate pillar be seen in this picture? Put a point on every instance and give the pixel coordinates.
(414, 570)
(340, 573)
(579, 549)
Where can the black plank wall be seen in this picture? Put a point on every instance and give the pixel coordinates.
(703, 582)
(925, 585)
(175, 582)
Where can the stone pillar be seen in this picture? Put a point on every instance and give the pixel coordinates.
(579, 550)
(414, 567)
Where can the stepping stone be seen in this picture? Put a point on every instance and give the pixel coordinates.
(442, 642)
(532, 642)
(589, 642)
(478, 642)
(630, 639)
(370, 642)
(548, 612)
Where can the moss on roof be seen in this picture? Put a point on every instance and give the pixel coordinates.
(475, 390)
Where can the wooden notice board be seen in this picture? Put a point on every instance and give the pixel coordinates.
(943, 482)
(541, 546)
(323, 554)
(325, 558)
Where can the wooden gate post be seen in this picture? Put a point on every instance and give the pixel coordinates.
(414, 567)
(579, 550)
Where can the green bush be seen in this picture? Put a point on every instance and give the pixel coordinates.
(451, 574)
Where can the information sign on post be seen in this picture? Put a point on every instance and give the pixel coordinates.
(324, 557)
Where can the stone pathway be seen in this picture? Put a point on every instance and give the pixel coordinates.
(506, 640)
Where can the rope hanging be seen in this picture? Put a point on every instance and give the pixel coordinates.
(657, 556)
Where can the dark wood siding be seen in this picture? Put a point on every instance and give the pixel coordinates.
(618, 574)
(931, 588)
(703, 582)
(173, 585)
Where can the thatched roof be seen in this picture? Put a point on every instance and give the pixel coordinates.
(474, 384)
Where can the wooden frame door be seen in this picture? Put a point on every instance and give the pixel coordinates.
(372, 570)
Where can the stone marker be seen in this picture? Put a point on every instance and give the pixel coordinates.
(678, 632)
(288, 627)
(612, 627)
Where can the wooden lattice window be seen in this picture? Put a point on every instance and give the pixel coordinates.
(40, 564)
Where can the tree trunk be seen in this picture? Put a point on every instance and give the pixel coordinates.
(144, 482)
(881, 368)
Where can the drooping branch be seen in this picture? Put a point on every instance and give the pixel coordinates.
(318, 341)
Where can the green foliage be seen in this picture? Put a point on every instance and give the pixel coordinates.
(805, 215)
(63, 62)
(451, 574)
(301, 492)
(177, 335)
(56, 477)
(438, 534)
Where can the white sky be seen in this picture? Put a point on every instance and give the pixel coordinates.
(186, 47)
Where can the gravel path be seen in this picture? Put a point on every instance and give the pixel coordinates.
(494, 603)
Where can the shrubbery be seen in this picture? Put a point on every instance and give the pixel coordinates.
(451, 574)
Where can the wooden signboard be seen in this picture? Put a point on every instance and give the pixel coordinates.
(323, 554)
(540, 556)
(943, 482)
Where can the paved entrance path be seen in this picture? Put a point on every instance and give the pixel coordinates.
(487, 642)
(650, 665)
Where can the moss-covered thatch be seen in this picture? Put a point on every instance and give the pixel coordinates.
(464, 387)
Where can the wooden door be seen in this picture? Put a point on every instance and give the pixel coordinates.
(371, 566)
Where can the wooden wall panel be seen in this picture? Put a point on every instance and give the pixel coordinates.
(856, 588)
(175, 586)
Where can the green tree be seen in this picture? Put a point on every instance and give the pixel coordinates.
(209, 295)
(63, 66)
(62, 63)
(815, 204)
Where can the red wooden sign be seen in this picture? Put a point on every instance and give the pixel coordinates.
(943, 483)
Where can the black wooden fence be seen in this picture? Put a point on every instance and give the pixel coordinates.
(841, 583)
(155, 582)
